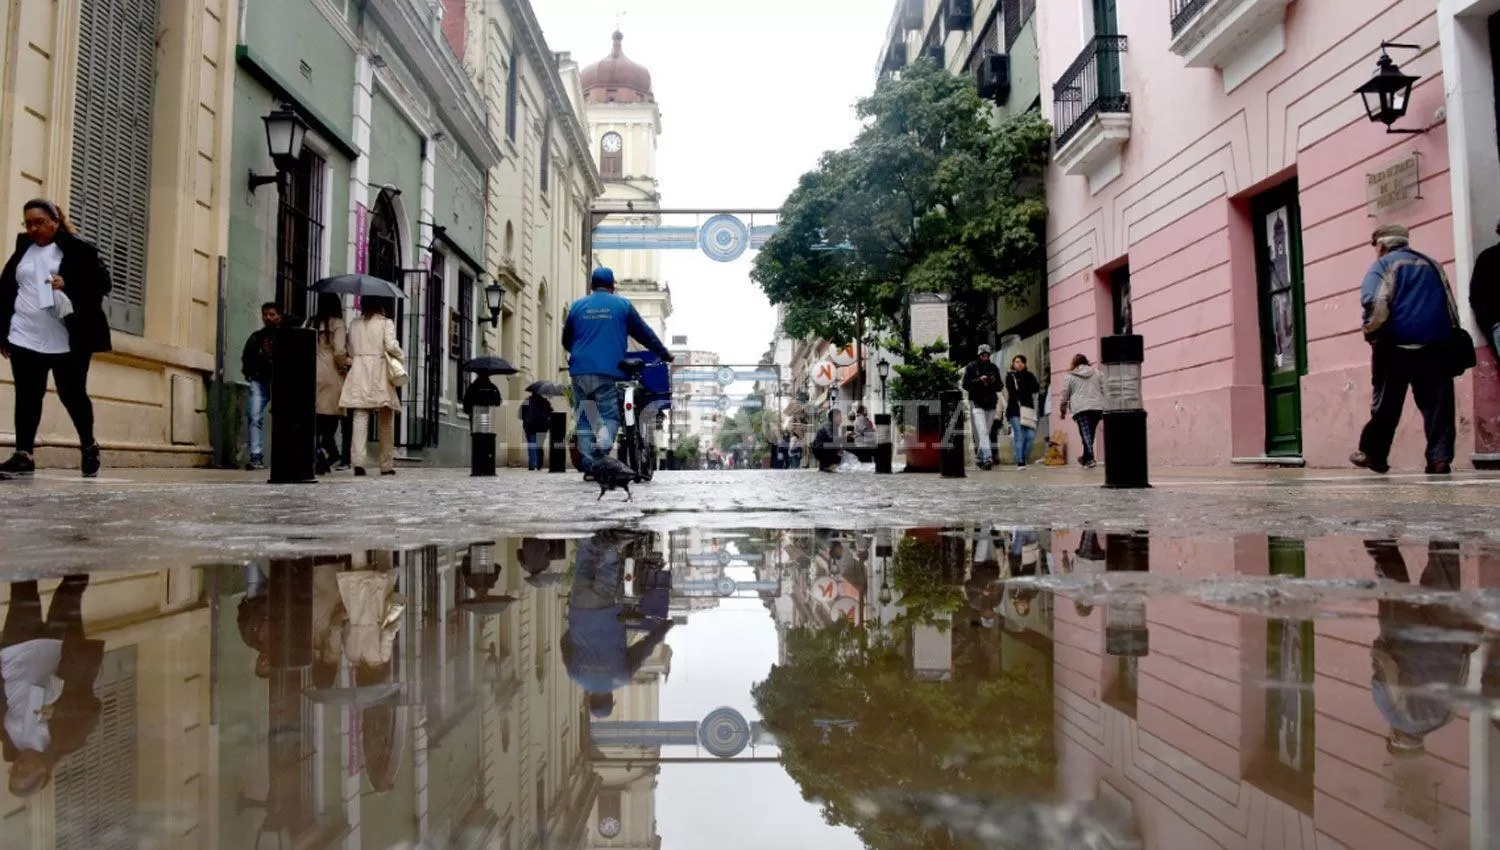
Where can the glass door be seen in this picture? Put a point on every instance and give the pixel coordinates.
(1278, 248)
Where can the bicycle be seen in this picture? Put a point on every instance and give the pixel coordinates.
(637, 439)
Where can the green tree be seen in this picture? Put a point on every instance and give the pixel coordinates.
(852, 725)
(933, 196)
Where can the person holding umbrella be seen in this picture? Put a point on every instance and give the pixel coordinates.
(536, 419)
(372, 382)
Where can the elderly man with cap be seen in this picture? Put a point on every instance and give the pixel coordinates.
(982, 382)
(1407, 319)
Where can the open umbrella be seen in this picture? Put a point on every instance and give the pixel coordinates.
(358, 284)
(489, 364)
(547, 579)
(551, 388)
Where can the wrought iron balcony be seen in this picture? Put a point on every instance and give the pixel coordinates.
(1183, 12)
(1091, 86)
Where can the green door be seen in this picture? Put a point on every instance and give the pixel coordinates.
(1283, 326)
(1106, 25)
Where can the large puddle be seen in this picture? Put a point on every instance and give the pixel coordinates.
(899, 688)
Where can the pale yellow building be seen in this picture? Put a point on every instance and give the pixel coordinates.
(537, 212)
(119, 110)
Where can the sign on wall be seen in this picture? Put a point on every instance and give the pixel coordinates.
(1393, 185)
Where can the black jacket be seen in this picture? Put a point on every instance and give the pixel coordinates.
(982, 395)
(1484, 288)
(86, 283)
(536, 414)
(1020, 391)
(255, 360)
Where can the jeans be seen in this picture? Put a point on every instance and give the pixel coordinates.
(1022, 438)
(1392, 371)
(255, 416)
(534, 450)
(64, 621)
(1088, 426)
(598, 413)
(984, 421)
(71, 372)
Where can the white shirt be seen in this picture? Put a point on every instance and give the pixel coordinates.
(30, 685)
(34, 326)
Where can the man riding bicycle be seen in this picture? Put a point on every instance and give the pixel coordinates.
(596, 336)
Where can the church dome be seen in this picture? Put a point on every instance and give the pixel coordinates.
(616, 79)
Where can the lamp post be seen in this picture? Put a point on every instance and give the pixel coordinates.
(884, 439)
(883, 369)
(1125, 464)
(494, 299)
(1387, 94)
(294, 383)
(480, 402)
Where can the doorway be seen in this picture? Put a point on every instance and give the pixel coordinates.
(1122, 319)
(1277, 217)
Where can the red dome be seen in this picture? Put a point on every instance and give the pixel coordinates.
(616, 79)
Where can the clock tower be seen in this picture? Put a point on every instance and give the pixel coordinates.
(624, 123)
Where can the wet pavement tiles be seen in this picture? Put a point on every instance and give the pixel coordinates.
(958, 685)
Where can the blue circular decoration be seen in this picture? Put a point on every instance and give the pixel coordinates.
(724, 375)
(724, 557)
(725, 733)
(723, 404)
(725, 586)
(724, 238)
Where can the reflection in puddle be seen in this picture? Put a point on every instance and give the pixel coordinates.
(901, 688)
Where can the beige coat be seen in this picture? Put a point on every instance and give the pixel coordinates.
(374, 612)
(333, 359)
(368, 384)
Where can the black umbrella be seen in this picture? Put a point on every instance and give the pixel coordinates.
(489, 364)
(551, 388)
(358, 284)
(547, 579)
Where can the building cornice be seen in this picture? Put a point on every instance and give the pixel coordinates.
(530, 32)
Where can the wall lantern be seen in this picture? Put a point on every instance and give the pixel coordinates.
(1388, 93)
(285, 133)
(494, 299)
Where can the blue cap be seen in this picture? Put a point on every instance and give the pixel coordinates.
(603, 277)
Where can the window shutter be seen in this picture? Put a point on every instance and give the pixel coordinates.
(111, 188)
(96, 786)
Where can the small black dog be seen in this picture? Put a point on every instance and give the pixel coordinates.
(610, 473)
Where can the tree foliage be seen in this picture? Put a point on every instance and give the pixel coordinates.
(851, 724)
(931, 197)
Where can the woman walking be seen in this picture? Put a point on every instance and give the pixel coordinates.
(1084, 395)
(1021, 390)
(52, 314)
(333, 364)
(369, 387)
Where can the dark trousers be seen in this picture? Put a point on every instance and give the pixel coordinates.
(1392, 371)
(71, 372)
(827, 457)
(346, 435)
(1088, 427)
(329, 426)
(24, 622)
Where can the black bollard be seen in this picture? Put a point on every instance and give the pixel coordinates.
(294, 407)
(1126, 634)
(1125, 465)
(289, 613)
(952, 454)
(883, 445)
(482, 399)
(557, 443)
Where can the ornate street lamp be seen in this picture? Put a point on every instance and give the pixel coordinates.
(1388, 93)
(285, 133)
(494, 299)
(883, 369)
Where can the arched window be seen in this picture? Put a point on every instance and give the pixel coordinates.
(384, 241)
(510, 243)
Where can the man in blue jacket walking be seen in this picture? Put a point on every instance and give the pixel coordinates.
(597, 336)
(1408, 317)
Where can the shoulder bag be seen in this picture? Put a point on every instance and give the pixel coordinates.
(1456, 352)
(395, 370)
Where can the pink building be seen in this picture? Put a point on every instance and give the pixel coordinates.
(1214, 190)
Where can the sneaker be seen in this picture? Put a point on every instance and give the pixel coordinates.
(1091, 464)
(1440, 467)
(1021, 467)
(1364, 461)
(91, 461)
(256, 464)
(387, 472)
(20, 463)
(342, 467)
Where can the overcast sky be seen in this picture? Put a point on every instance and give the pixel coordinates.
(751, 94)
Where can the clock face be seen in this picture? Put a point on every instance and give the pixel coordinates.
(609, 827)
(613, 143)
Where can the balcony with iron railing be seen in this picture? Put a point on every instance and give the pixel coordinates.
(1238, 36)
(1091, 87)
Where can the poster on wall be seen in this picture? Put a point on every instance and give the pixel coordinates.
(1279, 285)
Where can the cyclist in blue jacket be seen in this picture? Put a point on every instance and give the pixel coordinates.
(597, 336)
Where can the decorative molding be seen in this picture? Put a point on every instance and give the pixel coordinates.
(1222, 28)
